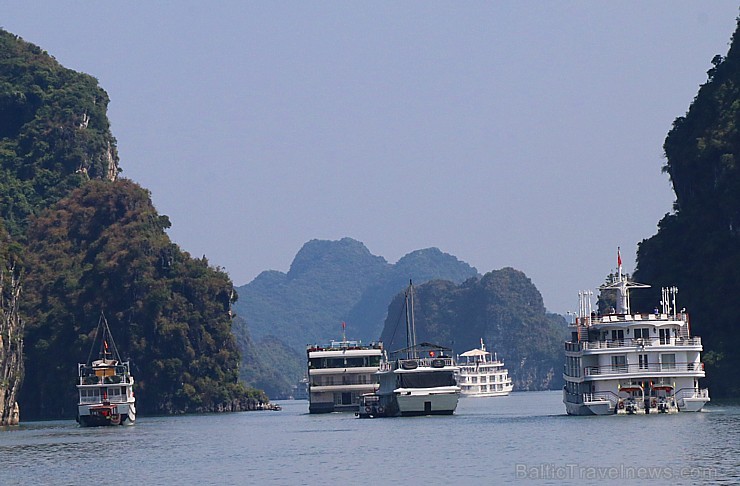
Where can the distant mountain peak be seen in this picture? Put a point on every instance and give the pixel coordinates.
(317, 254)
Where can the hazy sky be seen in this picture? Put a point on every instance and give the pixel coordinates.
(522, 134)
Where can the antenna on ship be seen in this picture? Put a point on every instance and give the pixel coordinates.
(622, 284)
(344, 332)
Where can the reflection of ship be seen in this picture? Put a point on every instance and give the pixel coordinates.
(417, 380)
(301, 390)
(339, 373)
(632, 363)
(105, 386)
(482, 374)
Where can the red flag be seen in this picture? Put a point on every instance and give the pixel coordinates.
(619, 258)
(106, 345)
(344, 325)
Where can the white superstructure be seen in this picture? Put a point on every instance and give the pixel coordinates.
(482, 374)
(417, 380)
(629, 362)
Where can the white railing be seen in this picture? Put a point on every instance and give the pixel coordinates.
(642, 368)
(693, 393)
(632, 343)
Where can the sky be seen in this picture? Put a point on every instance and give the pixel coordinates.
(509, 134)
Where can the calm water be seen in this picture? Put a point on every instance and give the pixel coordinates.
(525, 436)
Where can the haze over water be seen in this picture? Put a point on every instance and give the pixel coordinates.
(523, 437)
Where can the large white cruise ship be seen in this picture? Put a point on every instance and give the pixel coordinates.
(627, 362)
(417, 380)
(339, 373)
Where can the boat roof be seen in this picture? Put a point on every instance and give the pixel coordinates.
(475, 352)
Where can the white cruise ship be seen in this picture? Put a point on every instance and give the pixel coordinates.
(417, 380)
(482, 374)
(340, 373)
(628, 362)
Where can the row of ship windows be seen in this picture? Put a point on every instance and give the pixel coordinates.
(353, 379)
(483, 379)
(111, 391)
(483, 388)
(341, 362)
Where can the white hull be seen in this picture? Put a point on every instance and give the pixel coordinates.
(432, 401)
(487, 394)
(589, 408)
(692, 404)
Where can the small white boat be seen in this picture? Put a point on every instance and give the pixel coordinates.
(105, 385)
(482, 374)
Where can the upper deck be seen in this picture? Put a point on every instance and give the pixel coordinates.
(104, 372)
(343, 354)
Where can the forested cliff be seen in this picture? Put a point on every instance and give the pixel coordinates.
(88, 241)
(504, 308)
(697, 247)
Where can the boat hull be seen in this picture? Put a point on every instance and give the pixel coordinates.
(588, 409)
(100, 415)
(484, 395)
(416, 402)
(693, 404)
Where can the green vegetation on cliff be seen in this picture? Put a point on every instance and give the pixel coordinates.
(54, 132)
(90, 242)
(697, 247)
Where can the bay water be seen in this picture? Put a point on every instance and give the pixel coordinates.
(523, 437)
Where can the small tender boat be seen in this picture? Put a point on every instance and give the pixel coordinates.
(105, 385)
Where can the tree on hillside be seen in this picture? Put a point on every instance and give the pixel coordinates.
(54, 132)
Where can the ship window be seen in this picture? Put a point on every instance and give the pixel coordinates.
(668, 361)
(426, 380)
(355, 362)
(619, 363)
(314, 363)
(373, 361)
(643, 361)
(335, 363)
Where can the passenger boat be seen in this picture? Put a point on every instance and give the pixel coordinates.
(626, 362)
(416, 380)
(339, 373)
(105, 385)
(482, 374)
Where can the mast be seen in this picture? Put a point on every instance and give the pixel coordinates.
(410, 326)
(622, 284)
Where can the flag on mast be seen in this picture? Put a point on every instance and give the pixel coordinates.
(619, 258)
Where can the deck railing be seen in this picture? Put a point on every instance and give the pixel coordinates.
(693, 393)
(412, 363)
(631, 343)
(642, 368)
